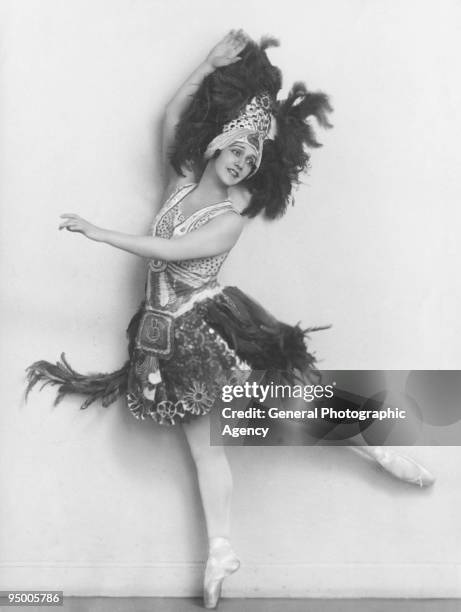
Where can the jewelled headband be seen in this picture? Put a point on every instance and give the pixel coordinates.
(252, 126)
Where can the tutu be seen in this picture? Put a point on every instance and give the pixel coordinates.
(189, 338)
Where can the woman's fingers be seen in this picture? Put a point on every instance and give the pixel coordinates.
(225, 52)
(236, 38)
(240, 41)
(72, 224)
(239, 48)
(241, 36)
(69, 220)
(228, 38)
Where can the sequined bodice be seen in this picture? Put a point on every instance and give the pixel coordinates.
(172, 286)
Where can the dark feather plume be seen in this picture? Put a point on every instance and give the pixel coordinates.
(287, 156)
(257, 337)
(220, 98)
(106, 387)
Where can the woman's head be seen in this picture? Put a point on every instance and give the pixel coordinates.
(235, 163)
(247, 131)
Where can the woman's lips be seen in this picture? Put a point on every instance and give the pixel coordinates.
(233, 173)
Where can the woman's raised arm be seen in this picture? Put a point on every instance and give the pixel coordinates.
(224, 53)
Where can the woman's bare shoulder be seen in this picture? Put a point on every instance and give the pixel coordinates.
(240, 197)
(229, 221)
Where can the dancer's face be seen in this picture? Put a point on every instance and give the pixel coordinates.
(235, 163)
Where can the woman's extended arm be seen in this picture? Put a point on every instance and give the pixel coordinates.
(218, 236)
(224, 53)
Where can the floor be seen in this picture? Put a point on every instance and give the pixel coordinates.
(173, 604)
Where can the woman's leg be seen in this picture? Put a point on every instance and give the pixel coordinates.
(215, 483)
(214, 476)
(402, 467)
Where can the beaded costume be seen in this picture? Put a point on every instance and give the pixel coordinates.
(179, 362)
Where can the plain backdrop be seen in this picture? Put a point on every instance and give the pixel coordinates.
(96, 502)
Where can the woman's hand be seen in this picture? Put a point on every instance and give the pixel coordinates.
(227, 50)
(74, 223)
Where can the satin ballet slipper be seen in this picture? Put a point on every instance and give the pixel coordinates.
(222, 562)
(404, 468)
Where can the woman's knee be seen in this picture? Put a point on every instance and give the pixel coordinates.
(197, 433)
(204, 453)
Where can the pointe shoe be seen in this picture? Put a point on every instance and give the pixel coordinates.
(404, 468)
(222, 562)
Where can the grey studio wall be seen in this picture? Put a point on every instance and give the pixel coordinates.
(95, 502)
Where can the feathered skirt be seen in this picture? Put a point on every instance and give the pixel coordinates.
(217, 342)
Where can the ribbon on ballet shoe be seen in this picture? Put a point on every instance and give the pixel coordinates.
(222, 562)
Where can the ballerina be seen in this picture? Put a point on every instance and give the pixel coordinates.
(223, 130)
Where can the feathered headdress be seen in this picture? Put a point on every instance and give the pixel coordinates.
(229, 100)
(251, 126)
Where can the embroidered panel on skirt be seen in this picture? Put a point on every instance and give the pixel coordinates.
(192, 378)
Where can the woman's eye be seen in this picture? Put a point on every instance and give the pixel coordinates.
(236, 152)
